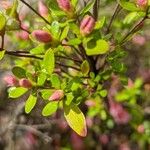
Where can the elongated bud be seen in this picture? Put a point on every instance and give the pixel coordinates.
(42, 36)
(25, 83)
(142, 3)
(42, 9)
(65, 5)
(57, 95)
(87, 25)
(11, 80)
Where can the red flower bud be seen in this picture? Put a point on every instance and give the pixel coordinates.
(87, 25)
(42, 36)
(142, 3)
(57, 95)
(65, 5)
(25, 83)
(11, 80)
(42, 9)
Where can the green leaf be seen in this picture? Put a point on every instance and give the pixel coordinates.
(99, 24)
(12, 12)
(128, 5)
(2, 21)
(74, 42)
(46, 93)
(74, 2)
(38, 50)
(55, 81)
(85, 67)
(69, 99)
(55, 29)
(103, 93)
(41, 78)
(2, 53)
(130, 18)
(75, 119)
(30, 103)
(19, 72)
(49, 61)
(50, 108)
(96, 47)
(87, 7)
(17, 92)
(64, 33)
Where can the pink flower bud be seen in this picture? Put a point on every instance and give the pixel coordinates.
(42, 9)
(139, 40)
(87, 25)
(23, 35)
(57, 95)
(130, 83)
(42, 36)
(25, 83)
(142, 3)
(141, 128)
(120, 115)
(11, 80)
(65, 5)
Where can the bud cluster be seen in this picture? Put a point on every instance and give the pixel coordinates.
(13, 81)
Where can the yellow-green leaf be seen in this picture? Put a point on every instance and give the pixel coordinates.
(2, 54)
(2, 21)
(96, 48)
(50, 108)
(17, 92)
(30, 103)
(75, 119)
(49, 61)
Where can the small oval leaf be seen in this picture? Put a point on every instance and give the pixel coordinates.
(50, 108)
(75, 119)
(85, 67)
(2, 53)
(2, 21)
(49, 61)
(17, 92)
(19, 72)
(30, 103)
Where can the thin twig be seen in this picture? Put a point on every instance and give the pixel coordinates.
(117, 9)
(35, 12)
(95, 9)
(67, 66)
(22, 55)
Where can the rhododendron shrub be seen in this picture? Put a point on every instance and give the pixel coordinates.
(71, 56)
